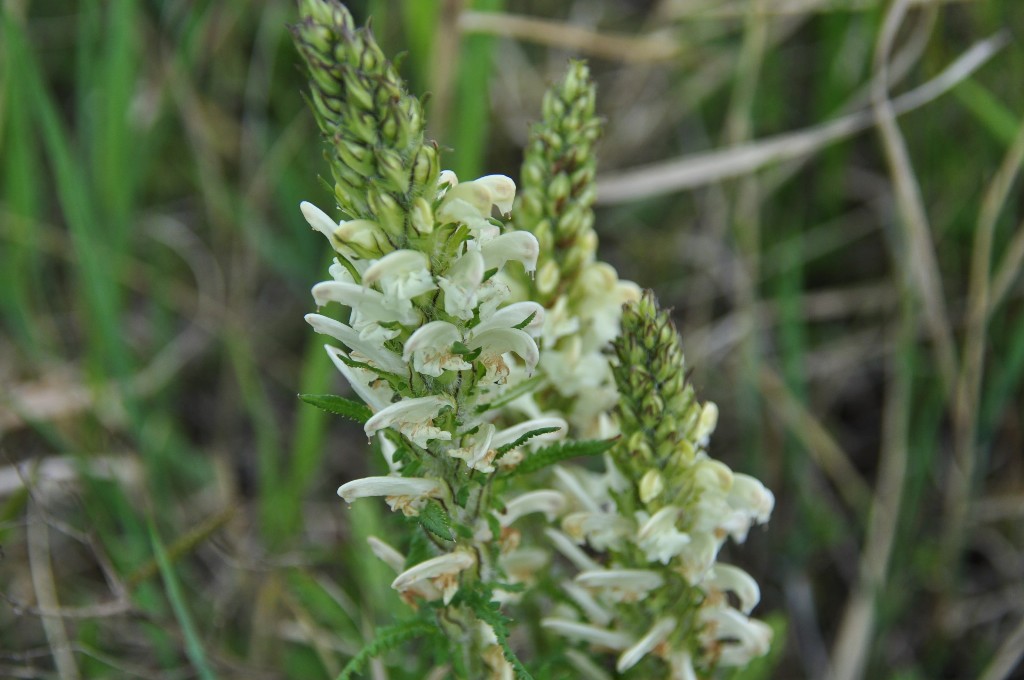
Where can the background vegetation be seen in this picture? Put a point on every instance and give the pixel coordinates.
(850, 296)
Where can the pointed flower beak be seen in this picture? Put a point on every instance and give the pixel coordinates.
(413, 418)
(442, 572)
(407, 494)
(595, 635)
(645, 645)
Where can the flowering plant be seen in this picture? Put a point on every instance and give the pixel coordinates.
(475, 332)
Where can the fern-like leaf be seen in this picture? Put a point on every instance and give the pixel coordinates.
(386, 639)
(352, 410)
(556, 453)
(502, 450)
(489, 612)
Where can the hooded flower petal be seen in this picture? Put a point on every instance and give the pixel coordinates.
(514, 315)
(601, 530)
(518, 246)
(461, 283)
(413, 418)
(402, 274)
(374, 353)
(374, 391)
(727, 578)
(622, 585)
(371, 304)
(501, 189)
(407, 494)
(498, 341)
(645, 645)
(442, 572)
(430, 349)
(571, 551)
(595, 635)
(544, 500)
(478, 452)
(659, 538)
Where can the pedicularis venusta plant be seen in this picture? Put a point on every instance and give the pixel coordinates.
(488, 347)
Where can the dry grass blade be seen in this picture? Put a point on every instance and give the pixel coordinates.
(713, 166)
(723, 10)
(968, 394)
(924, 268)
(45, 586)
(856, 628)
(624, 48)
(820, 445)
(1008, 269)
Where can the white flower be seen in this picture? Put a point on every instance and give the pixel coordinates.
(622, 585)
(681, 665)
(478, 452)
(413, 418)
(501, 189)
(658, 536)
(651, 485)
(726, 578)
(698, 556)
(602, 530)
(388, 450)
(403, 275)
(374, 391)
(544, 500)
(511, 434)
(408, 494)
(370, 304)
(498, 341)
(654, 637)
(373, 353)
(430, 349)
(595, 635)
(520, 246)
(461, 284)
(396, 560)
(514, 315)
(738, 638)
(442, 572)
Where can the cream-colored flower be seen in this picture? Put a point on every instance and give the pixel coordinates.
(645, 645)
(413, 418)
(461, 285)
(621, 585)
(376, 393)
(724, 578)
(478, 451)
(442, 572)
(600, 637)
(402, 275)
(601, 530)
(430, 349)
(370, 304)
(408, 494)
(658, 536)
(544, 500)
(367, 352)
(738, 638)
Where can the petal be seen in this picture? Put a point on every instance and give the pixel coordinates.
(518, 246)
(372, 390)
(727, 578)
(595, 635)
(570, 550)
(497, 341)
(418, 487)
(511, 434)
(629, 580)
(318, 219)
(396, 264)
(514, 315)
(411, 417)
(544, 500)
(645, 645)
(501, 189)
(386, 554)
(370, 303)
(374, 353)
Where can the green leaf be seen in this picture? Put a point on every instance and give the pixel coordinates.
(435, 520)
(556, 453)
(525, 322)
(352, 410)
(513, 393)
(502, 450)
(386, 639)
(490, 613)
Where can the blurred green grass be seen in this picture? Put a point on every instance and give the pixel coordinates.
(154, 269)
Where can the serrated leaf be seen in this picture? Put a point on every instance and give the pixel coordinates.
(513, 393)
(556, 453)
(385, 639)
(397, 383)
(462, 495)
(525, 322)
(489, 612)
(435, 520)
(502, 450)
(353, 410)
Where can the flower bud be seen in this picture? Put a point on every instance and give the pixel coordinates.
(651, 486)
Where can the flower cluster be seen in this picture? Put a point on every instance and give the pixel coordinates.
(476, 329)
(655, 521)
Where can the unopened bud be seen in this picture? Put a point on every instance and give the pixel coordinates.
(651, 486)
(422, 216)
